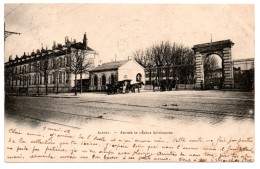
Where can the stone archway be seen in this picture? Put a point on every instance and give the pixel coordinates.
(221, 48)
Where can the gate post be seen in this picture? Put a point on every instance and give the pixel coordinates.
(228, 68)
(199, 71)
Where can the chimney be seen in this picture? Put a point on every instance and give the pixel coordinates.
(66, 40)
(75, 41)
(54, 45)
(85, 41)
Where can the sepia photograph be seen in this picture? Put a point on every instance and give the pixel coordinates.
(118, 82)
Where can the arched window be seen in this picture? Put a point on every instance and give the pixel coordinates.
(112, 79)
(138, 77)
(103, 80)
(95, 80)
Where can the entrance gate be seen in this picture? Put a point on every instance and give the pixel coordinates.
(221, 48)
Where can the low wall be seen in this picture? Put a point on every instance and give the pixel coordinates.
(178, 86)
(41, 89)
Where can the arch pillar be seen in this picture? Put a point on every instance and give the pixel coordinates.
(199, 70)
(228, 68)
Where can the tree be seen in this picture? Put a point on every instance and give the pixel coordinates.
(166, 56)
(210, 65)
(78, 64)
(9, 76)
(24, 77)
(43, 67)
(57, 65)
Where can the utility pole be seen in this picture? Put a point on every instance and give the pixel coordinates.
(8, 33)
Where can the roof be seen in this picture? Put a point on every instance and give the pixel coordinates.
(244, 60)
(223, 42)
(80, 45)
(109, 66)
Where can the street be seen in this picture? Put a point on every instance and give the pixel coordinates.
(159, 109)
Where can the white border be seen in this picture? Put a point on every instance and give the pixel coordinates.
(255, 165)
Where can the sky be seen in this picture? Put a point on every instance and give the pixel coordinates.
(117, 30)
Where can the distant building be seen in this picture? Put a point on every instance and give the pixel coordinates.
(112, 72)
(21, 72)
(244, 64)
(244, 73)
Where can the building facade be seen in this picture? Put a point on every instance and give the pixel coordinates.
(112, 72)
(25, 74)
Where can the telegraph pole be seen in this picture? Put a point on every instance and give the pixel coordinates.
(8, 33)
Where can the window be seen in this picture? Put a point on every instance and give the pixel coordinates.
(35, 78)
(138, 77)
(40, 79)
(29, 80)
(103, 82)
(95, 80)
(68, 61)
(112, 80)
(50, 79)
(60, 77)
(54, 78)
(24, 68)
(67, 77)
(51, 63)
(61, 62)
(64, 76)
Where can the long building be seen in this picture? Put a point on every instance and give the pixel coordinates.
(22, 75)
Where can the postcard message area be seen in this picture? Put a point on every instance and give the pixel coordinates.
(59, 144)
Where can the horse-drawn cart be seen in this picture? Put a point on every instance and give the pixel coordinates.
(164, 85)
(123, 86)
